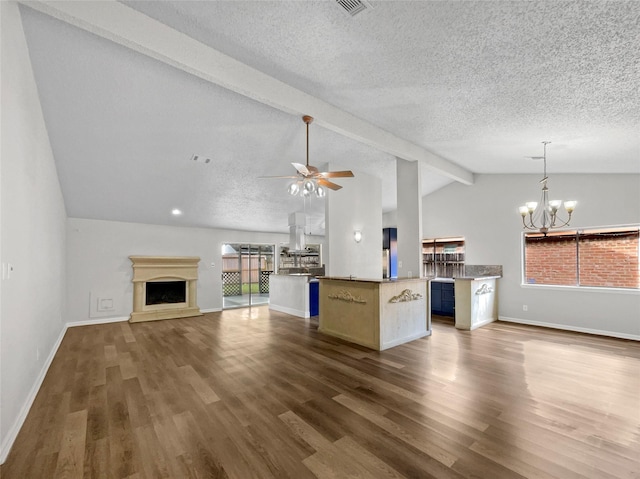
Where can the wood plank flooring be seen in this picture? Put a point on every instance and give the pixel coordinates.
(257, 394)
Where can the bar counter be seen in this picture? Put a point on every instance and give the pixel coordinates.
(376, 313)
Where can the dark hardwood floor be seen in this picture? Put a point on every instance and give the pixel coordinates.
(257, 394)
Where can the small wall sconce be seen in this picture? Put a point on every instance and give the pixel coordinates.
(357, 236)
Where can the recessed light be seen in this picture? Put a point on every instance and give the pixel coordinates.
(176, 212)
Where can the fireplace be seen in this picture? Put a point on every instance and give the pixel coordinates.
(163, 292)
(164, 287)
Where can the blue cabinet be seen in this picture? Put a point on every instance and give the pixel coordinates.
(314, 298)
(443, 301)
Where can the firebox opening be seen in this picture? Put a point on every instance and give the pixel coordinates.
(159, 292)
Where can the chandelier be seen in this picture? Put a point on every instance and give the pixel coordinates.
(543, 216)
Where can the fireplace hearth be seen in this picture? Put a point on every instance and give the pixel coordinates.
(164, 287)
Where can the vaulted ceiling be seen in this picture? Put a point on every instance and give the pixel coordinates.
(132, 90)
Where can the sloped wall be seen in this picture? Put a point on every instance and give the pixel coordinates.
(32, 234)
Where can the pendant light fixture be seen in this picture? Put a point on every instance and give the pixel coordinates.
(543, 216)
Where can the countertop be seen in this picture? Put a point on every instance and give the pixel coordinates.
(300, 276)
(465, 278)
(373, 280)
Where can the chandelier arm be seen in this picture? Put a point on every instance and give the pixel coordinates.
(525, 225)
(564, 223)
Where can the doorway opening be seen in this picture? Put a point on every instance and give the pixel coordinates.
(245, 274)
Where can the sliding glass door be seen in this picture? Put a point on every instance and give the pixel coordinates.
(245, 274)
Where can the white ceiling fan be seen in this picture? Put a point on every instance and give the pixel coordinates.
(309, 179)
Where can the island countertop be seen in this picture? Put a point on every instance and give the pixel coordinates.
(374, 280)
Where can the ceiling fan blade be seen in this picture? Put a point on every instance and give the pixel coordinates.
(337, 174)
(329, 184)
(270, 177)
(312, 169)
(301, 168)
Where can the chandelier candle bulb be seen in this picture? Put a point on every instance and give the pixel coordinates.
(554, 205)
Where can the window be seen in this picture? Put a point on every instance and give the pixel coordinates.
(596, 257)
(443, 257)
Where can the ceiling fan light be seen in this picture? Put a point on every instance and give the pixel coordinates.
(294, 189)
(321, 191)
(309, 185)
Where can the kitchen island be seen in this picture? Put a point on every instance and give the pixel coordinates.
(376, 313)
(293, 294)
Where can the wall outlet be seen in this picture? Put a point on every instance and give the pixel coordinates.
(525, 307)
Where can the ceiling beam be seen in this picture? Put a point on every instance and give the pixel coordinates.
(126, 26)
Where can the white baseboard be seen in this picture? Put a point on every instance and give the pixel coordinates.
(564, 327)
(89, 322)
(211, 310)
(24, 411)
(482, 323)
(291, 311)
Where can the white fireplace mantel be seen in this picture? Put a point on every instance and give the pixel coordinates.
(164, 268)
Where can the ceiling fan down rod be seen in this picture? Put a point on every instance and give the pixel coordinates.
(307, 119)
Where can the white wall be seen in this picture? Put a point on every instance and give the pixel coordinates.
(32, 232)
(486, 215)
(390, 219)
(98, 261)
(357, 206)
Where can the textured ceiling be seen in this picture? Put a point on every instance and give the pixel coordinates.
(478, 83)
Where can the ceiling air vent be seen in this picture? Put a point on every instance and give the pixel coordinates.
(200, 159)
(353, 7)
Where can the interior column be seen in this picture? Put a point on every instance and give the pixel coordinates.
(409, 221)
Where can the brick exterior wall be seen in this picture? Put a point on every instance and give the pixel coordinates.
(551, 260)
(609, 261)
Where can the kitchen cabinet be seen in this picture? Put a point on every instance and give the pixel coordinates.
(443, 301)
